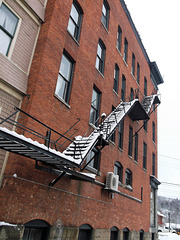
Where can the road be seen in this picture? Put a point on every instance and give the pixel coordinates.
(168, 236)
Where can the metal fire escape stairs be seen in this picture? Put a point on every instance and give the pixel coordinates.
(75, 154)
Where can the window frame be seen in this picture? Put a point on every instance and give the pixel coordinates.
(153, 164)
(119, 39)
(128, 177)
(136, 147)
(113, 136)
(77, 25)
(85, 228)
(120, 134)
(153, 132)
(97, 110)
(11, 36)
(105, 18)
(130, 145)
(100, 59)
(138, 74)
(144, 155)
(145, 86)
(114, 232)
(66, 90)
(133, 64)
(116, 78)
(95, 163)
(118, 170)
(125, 55)
(123, 88)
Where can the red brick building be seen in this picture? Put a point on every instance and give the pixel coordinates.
(88, 60)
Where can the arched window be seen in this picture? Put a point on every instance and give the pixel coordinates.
(114, 233)
(123, 88)
(85, 232)
(125, 234)
(141, 234)
(118, 170)
(36, 230)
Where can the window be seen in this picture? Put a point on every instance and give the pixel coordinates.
(94, 158)
(95, 106)
(75, 19)
(8, 24)
(141, 234)
(145, 86)
(36, 230)
(120, 135)
(133, 65)
(131, 94)
(105, 14)
(125, 50)
(100, 59)
(118, 170)
(144, 155)
(136, 147)
(85, 232)
(114, 233)
(119, 37)
(138, 73)
(125, 234)
(153, 132)
(63, 87)
(145, 125)
(123, 88)
(112, 138)
(130, 141)
(153, 164)
(116, 78)
(128, 177)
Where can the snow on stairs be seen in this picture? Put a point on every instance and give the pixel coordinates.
(111, 122)
(81, 146)
(148, 101)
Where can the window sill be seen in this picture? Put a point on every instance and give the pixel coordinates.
(92, 126)
(120, 149)
(76, 41)
(105, 27)
(118, 51)
(60, 99)
(125, 62)
(145, 169)
(115, 93)
(93, 170)
(99, 72)
(113, 143)
(136, 162)
(133, 76)
(128, 187)
(130, 157)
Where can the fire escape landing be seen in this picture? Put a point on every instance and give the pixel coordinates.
(74, 155)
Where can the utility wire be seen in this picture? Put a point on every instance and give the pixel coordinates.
(178, 159)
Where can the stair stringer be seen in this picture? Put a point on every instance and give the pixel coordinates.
(148, 101)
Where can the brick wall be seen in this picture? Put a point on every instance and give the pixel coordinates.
(74, 202)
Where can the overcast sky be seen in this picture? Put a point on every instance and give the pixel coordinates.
(158, 23)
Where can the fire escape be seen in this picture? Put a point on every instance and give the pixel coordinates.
(71, 160)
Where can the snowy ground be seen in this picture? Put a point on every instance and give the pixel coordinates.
(168, 236)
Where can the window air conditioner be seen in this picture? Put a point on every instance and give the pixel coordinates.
(112, 181)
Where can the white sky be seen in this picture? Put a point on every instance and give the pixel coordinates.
(158, 23)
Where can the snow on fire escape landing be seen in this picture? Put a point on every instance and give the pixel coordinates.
(81, 146)
(76, 153)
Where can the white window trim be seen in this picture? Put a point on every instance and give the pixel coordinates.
(11, 48)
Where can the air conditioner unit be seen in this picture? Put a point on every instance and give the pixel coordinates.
(112, 181)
